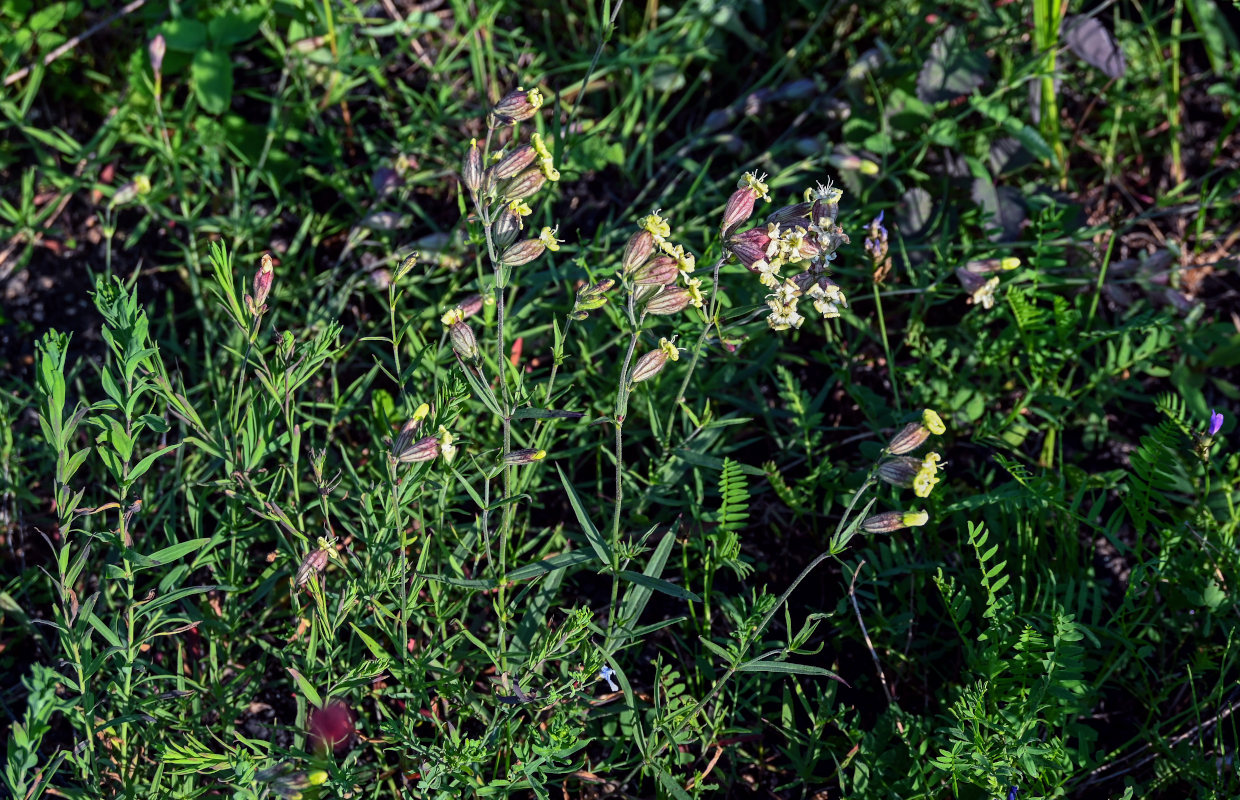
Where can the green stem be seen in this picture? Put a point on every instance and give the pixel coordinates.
(711, 320)
(882, 329)
(622, 407)
(484, 211)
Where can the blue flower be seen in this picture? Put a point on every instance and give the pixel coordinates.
(1012, 793)
(1216, 422)
(607, 674)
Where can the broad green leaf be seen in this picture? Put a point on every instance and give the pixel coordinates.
(234, 27)
(184, 35)
(212, 74)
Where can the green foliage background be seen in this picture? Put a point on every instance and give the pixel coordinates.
(1065, 622)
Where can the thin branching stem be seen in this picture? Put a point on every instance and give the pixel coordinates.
(711, 321)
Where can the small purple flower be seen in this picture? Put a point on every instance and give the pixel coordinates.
(876, 239)
(1216, 422)
(1012, 793)
(607, 674)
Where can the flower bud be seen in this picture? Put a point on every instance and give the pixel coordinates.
(649, 365)
(525, 184)
(738, 210)
(662, 271)
(405, 266)
(934, 422)
(520, 457)
(263, 277)
(910, 437)
(515, 106)
(468, 307)
(523, 252)
(740, 205)
(899, 471)
(790, 214)
(639, 248)
(850, 162)
(471, 167)
(505, 228)
(464, 344)
(138, 187)
(156, 50)
(590, 297)
(891, 521)
(513, 163)
(987, 265)
(672, 300)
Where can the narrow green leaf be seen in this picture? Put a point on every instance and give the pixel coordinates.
(660, 585)
(179, 594)
(595, 538)
(717, 650)
(371, 645)
(309, 691)
(482, 391)
(528, 412)
(570, 559)
(669, 783)
(465, 583)
(169, 554)
(788, 668)
(142, 466)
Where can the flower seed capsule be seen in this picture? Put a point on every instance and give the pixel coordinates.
(910, 437)
(525, 185)
(639, 248)
(672, 300)
(516, 106)
(505, 228)
(471, 167)
(892, 521)
(513, 163)
(789, 215)
(523, 252)
(522, 457)
(662, 271)
(899, 471)
(464, 343)
(649, 365)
